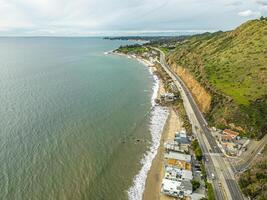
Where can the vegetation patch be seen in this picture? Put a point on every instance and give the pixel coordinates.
(253, 182)
(197, 150)
(132, 49)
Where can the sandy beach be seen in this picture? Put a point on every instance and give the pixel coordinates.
(156, 172)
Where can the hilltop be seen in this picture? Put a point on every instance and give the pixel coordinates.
(231, 68)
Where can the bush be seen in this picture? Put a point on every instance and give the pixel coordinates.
(197, 150)
(211, 195)
(195, 184)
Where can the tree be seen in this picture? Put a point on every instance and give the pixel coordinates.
(195, 184)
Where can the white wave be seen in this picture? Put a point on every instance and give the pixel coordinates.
(158, 119)
(107, 52)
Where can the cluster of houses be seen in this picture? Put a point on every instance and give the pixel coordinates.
(232, 143)
(178, 167)
(151, 56)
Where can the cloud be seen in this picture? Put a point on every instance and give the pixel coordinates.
(249, 13)
(232, 3)
(81, 17)
(261, 2)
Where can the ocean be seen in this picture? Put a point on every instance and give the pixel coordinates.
(75, 123)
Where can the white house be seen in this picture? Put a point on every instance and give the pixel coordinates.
(178, 189)
(174, 173)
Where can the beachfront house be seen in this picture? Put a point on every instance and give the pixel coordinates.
(176, 174)
(178, 189)
(176, 147)
(178, 164)
(178, 156)
(182, 138)
(168, 97)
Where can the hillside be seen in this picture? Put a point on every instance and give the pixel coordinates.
(232, 68)
(253, 182)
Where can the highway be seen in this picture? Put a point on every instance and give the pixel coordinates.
(224, 184)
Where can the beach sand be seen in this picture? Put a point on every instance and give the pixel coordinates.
(156, 172)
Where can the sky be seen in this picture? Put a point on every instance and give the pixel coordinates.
(123, 17)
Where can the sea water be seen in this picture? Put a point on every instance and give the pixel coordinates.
(75, 123)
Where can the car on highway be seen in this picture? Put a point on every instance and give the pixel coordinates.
(212, 176)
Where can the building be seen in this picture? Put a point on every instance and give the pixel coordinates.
(226, 138)
(176, 147)
(230, 133)
(178, 164)
(168, 97)
(182, 138)
(178, 156)
(176, 174)
(178, 189)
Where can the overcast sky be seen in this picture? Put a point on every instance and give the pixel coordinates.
(91, 17)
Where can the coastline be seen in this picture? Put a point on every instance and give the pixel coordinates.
(150, 184)
(159, 116)
(156, 172)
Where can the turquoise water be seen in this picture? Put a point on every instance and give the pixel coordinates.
(74, 123)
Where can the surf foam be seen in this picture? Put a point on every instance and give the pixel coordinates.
(158, 119)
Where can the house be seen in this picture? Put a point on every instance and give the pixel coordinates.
(231, 133)
(226, 138)
(178, 164)
(168, 97)
(231, 148)
(178, 156)
(178, 189)
(176, 147)
(176, 174)
(182, 138)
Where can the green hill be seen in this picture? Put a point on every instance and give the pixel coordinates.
(232, 66)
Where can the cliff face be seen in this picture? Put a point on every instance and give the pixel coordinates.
(202, 97)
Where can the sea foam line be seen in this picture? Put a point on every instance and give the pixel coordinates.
(158, 119)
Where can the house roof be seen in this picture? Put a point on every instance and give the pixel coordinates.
(178, 156)
(175, 173)
(176, 186)
(230, 132)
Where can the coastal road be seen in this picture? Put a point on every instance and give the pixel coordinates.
(224, 184)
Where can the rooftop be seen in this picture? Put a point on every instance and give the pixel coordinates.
(174, 173)
(178, 156)
(178, 164)
(176, 188)
(230, 132)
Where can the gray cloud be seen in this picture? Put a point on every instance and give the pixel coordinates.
(86, 17)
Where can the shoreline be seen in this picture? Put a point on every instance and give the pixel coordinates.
(156, 172)
(152, 180)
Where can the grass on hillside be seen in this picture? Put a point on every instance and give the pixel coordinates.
(253, 181)
(234, 65)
